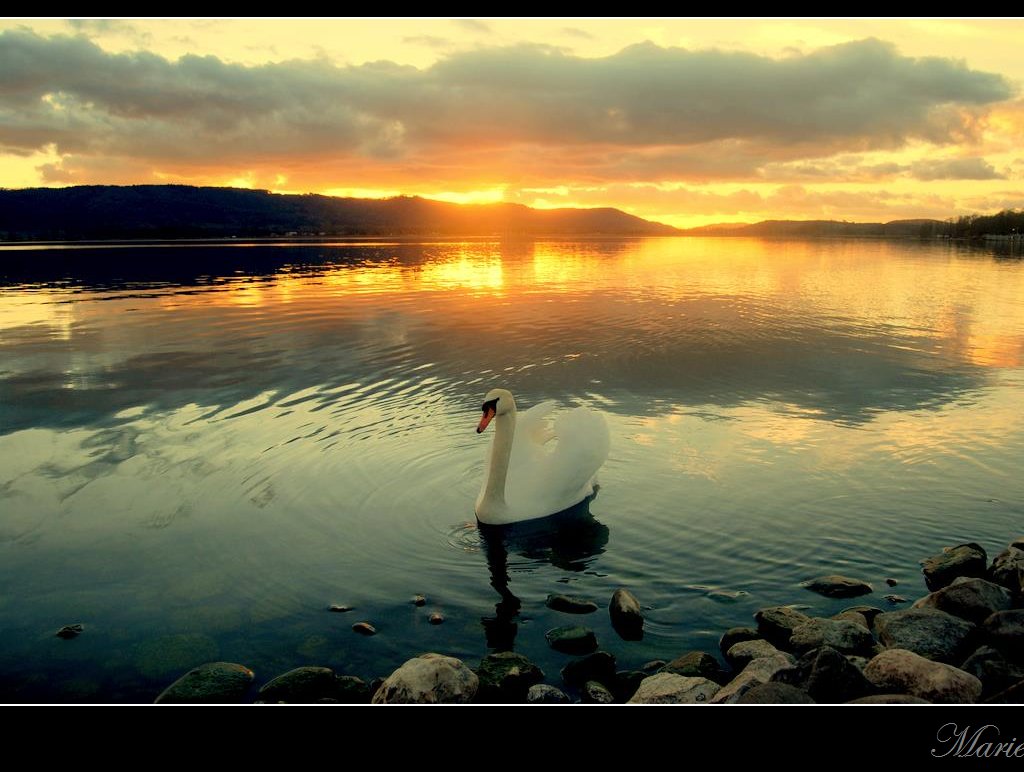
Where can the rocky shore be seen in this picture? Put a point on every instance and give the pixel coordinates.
(961, 643)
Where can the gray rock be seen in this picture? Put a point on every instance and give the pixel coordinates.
(436, 618)
(599, 666)
(744, 652)
(214, 682)
(995, 672)
(312, 684)
(429, 679)
(653, 666)
(570, 604)
(546, 695)
(868, 612)
(597, 693)
(889, 699)
(572, 640)
(847, 637)
(891, 582)
(929, 632)
(760, 671)
(70, 631)
(735, 635)
(904, 672)
(777, 623)
(1005, 631)
(853, 616)
(832, 678)
(1007, 569)
(626, 684)
(962, 560)
(695, 664)
(339, 609)
(969, 598)
(419, 600)
(506, 677)
(775, 694)
(672, 689)
(895, 599)
(627, 617)
(364, 628)
(836, 586)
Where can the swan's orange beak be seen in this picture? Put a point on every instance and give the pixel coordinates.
(488, 415)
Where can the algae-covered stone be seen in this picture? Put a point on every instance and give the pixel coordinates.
(595, 692)
(214, 682)
(544, 694)
(572, 640)
(695, 663)
(311, 684)
(506, 677)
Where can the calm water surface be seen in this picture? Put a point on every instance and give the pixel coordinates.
(201, 448)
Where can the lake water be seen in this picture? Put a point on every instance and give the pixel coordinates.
(202, 447)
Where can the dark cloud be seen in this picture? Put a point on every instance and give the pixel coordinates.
(956, 169)
(644, 113)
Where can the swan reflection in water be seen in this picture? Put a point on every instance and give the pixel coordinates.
(567, 540)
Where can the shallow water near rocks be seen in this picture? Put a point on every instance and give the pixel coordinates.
(204, 447)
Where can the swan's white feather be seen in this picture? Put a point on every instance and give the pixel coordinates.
(553, 464)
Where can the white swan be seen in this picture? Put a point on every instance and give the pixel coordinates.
(533, 469)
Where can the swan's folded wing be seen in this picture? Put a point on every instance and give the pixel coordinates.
(532, 425)
(583, 445)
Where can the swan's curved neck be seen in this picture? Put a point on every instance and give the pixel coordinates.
(504, 431)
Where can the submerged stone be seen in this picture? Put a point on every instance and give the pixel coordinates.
(70, 631)
(572, 640)
(570, 604)
(626, 615)
(836, 586)
(364, 628)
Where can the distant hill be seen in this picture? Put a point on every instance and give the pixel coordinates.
(804, 228)
(181, 211)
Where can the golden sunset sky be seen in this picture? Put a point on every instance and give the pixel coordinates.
(685, 121)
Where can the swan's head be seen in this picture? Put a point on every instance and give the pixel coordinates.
(497, 402)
